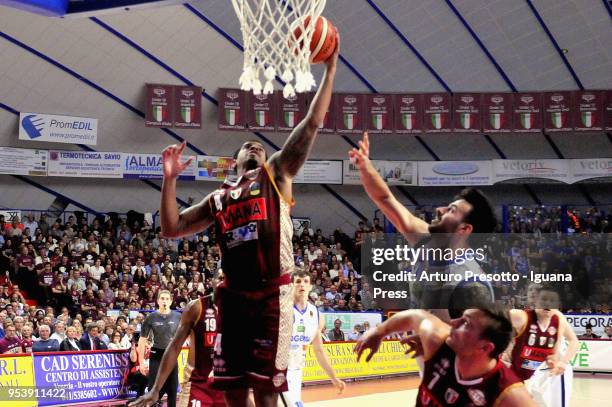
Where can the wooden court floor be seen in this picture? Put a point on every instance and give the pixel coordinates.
(588, 391)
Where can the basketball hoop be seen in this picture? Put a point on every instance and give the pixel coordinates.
(270, 46)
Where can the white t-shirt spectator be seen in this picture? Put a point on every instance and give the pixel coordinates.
(96, 272)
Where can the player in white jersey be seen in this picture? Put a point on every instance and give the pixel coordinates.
(307, 325)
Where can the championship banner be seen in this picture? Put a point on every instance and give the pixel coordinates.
(350, 319)
(188, 107)
(393, 172)
(379, 113)
(558, 111)
(587, 168)
(320, 172)
(598, 321)
(527, 116)
(588, 110)
(159, 105)
(466, 112)
(261, 115)
(290, 111)
(87, 164)
(16, 372)
(408, 113)
(232, 109)
(437, 112)
(497, 112)
(390, 360)
(608, 110)
(558, 170)
(329, 122)
(454, 173)
(149, 166)
(211, 168)
(349, 113)
(58, 129)
(23, 161)
(593, 356)
(85, 375)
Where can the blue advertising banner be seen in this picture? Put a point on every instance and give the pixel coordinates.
(149, 166)
(85, 376)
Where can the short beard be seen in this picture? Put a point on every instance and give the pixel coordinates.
(250, 164)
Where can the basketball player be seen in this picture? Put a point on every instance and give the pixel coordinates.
(198, 324)
(307, 326)
(538, 355)
(251, 216)
(469, 213)
(462, 367)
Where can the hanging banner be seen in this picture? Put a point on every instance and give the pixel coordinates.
(88, 164)
(349, 113)
(466, 113)
(320, 172)
(188, 107)
(290, 111)
(159, 105)
(262, 112)
(497, 112)
(408, 113)
(149, 166)
(211, 168)
(608, 110)
(527, 117)
(58, 129)
(437, 112)
(22, 161)
(588, 110)
(379, 113)
(393, 172)
(558, 170)
(587, 168)
(454, 173)
(232, 109)
(558, 111)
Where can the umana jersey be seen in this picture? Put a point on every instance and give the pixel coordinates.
(533, 345)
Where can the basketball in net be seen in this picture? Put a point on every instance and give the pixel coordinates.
(324, 39)
(274, 33)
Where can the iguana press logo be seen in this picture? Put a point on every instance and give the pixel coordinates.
(33, 125)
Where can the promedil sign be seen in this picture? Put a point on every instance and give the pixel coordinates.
(58, 129)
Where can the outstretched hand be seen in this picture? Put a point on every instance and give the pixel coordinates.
(171, 157)
(332, 61)
(370, 340)
(148, 400)
(361, 157)
(413, 345)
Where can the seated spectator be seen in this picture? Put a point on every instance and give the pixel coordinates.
(115, 343)
(607, 332)
(337, 334)
(356, 333)
(588, 334)
(27, 340)
(10, 343)
(90, 340)
(45, 343)
(71, 342)
(60, 332)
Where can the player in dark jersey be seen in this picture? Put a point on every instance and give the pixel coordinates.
(462, 364)
(538, 355)
(198, 324)
(254, 229)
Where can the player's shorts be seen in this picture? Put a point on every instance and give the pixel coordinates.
(253, 337)
(293, 396)
(199, 393)
(551, 391)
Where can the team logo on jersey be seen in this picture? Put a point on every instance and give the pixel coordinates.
(451, 396)
(311, 314)
(210, 313)
(235, 193)
(542, 340)
(278, 379)
(551, 342)
(552, 330)
(254, 188)
(242, 234)
(477, 396)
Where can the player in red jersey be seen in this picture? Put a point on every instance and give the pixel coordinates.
(462, 364)
(198, 323)
(254, 229)
(538, 356)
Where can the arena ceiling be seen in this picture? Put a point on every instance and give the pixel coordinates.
(96, 66)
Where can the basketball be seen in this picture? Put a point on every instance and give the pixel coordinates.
(324, 39)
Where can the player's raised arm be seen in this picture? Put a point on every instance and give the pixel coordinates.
(323, 359)
(287, 162)
(169, 360)
(193, 219)
(378, 191)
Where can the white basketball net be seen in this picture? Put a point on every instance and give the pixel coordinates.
(269, 45)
